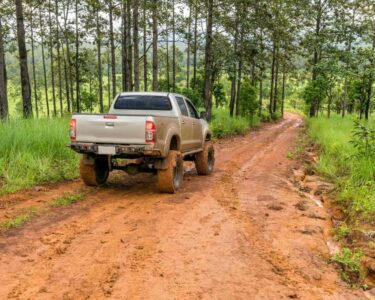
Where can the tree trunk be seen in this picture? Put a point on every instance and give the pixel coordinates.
(188, 48)
(99, 49)
(44, 63)
(33, 61)
(67, 92)
(167, 57)
(349, 50)
(371, 78)
(272, 77)
(130, 47)
(76, 62)
(51, 58)
(136, 44)
(261, 76)
(67, 62)
(195, 44)
(113, 53)
(239, 87)
(315, 101)
(58, 56)
(240, 62)
(234, 75)
(173, 48)
(208, 61)
(24, 72)
(155, 46)
(125, 81)
(260, 92)
(145, 46)
(283, 93)
(109, 74)
(276, 92)
(3, 79)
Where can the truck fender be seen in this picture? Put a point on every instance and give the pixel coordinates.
(170, 134)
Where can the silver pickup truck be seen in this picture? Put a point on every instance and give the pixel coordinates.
(143, 132)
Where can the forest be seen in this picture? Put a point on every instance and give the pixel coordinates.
(57, 57)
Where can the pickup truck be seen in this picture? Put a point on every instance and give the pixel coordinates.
(143, 132)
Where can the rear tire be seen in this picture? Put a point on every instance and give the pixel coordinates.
(205, 160)
(170, 179)
(94, 171)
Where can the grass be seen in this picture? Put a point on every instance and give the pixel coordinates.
(350, 263)
(31, 212)
(34, 152)
(353, 172)
(222, 125)
(21, 219)
(67, 199)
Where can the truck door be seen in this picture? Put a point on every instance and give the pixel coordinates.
(186, 124)
(197, 128)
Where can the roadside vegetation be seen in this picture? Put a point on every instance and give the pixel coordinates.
(33, 152)
(20, 219)
(348, 161)
(28, 214)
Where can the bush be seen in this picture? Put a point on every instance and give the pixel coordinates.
(350, 263)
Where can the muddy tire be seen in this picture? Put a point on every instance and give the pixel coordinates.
(205, 160)
(94, 172)
(170, 179)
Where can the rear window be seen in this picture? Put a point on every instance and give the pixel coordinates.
(141, 102)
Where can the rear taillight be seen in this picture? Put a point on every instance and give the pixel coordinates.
(150, 132)
(72, 130)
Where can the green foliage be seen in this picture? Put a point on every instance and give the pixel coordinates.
(249, 103)
(350, 263)
(363, 138)
(67, 199)
(88, 101)
(21, 219)
(340, 160)
(219, 94)
(342, 231)
(194, 95)
(34, 151)
(265, 116)
(223, 125)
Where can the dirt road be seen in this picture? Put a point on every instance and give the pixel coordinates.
(233, 235)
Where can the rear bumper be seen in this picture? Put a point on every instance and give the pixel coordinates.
(121, 150)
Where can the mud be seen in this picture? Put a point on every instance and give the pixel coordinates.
(244, 232)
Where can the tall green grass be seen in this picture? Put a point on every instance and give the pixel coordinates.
(34, 151)
(222, 125)
(353, 173)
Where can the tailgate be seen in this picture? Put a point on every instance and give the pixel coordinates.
(110, 129)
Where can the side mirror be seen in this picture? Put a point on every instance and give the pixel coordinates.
(203, 115)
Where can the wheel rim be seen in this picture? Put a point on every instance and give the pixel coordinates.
(211, 161)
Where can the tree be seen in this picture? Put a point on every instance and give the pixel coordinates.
(51, 59)
(25, 81)
(208, 61)
(77, 57)
(136, 44)
(113, 54)
(155, 45)
(3, 77)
